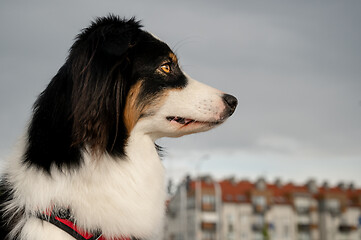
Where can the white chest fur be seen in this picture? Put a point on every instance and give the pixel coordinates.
(120, 196)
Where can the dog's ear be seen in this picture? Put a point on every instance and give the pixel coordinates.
(120, 37)
(118, 45)
(100, 67)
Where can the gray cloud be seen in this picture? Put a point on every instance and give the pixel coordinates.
(295, 67)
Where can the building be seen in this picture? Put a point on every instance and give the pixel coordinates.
(204, 209)
(194, 211)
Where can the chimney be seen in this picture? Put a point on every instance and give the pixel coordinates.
(351, 186)
(232, 180)
(278, 183)
(207, 178)
(261, 184)
(188, 181)
(325, 185)
(312, 186)
(342, 186)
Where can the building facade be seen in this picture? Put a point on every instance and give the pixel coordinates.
(204, 209)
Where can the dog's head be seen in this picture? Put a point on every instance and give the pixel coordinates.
(124, 79)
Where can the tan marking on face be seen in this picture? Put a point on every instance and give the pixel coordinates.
(173, 57)
(134, 109)
(131, 111)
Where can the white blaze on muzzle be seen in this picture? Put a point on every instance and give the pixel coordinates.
(195, 108)
(196, 101)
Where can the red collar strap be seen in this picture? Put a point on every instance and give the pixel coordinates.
(63, 220)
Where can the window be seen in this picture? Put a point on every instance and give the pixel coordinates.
(207, 226)
(208, 203)
(259, 200)
(286, 231)
(304, 236)
(191, 203)
(179, 236)
(243, 219)
(257, 236)
(241, 198)
(230, 236)
(333, 206)
(230, 221)
(230, 227)
(208, 235)
(259, 203)
(244, 236)
(208, 199)
(303, 205)
(244, 226)
(229, 197)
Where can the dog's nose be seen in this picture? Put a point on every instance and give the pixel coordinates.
(231, 103)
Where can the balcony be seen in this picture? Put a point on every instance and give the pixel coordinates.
(303, 210)
(331, 206)
(346, 228)
(209, 226)
(208, 207)
(334, 211)
(260, 209)
(257, 227)
(304, 236)
(304, 219)
(302, 227)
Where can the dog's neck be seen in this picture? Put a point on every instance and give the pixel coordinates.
(132, 190)
(119, 196)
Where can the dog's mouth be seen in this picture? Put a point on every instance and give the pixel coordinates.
(180, 120)
(187, 121)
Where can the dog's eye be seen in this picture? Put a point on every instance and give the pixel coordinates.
(166, 68)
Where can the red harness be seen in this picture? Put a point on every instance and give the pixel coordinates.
(63, 221)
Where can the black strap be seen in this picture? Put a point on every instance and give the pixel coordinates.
(51, 219)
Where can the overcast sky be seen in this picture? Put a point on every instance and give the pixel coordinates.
(295, 68)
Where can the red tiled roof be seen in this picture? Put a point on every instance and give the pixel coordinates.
(241, 191)
(236, 192)
(204, 184)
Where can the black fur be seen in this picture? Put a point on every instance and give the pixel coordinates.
(84, 102)
(83, 105)
(81, 102)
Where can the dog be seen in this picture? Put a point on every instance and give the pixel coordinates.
(88, 166)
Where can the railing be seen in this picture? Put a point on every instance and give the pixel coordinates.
(303, 210)
(345, 228)
(257, 227)
(207, 226)
(208, 207)
(259, 208)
